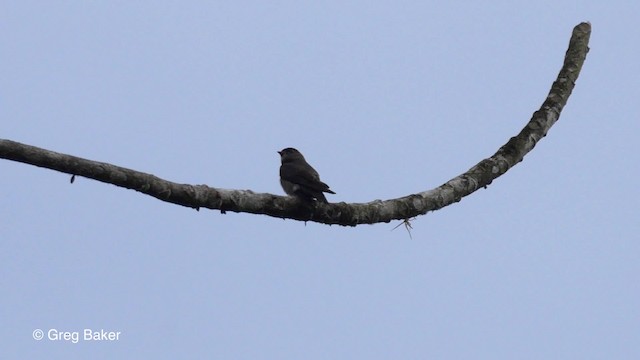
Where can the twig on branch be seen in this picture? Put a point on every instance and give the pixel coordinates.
(202, 196)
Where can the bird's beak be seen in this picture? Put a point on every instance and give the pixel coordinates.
(279, 153)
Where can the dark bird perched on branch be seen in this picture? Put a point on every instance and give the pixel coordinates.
(299, 179)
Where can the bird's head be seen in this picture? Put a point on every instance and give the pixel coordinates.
(290, 154)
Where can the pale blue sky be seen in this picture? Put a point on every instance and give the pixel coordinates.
(384, 99)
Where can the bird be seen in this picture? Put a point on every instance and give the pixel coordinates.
(299, 179)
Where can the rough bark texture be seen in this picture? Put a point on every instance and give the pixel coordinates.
(203, 196)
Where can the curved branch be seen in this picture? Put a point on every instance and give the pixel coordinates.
(197, 196)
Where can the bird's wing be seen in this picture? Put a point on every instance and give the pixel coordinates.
(302, 176)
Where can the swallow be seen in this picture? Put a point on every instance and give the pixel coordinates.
(300, 179)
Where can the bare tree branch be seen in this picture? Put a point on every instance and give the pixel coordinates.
(197, 196)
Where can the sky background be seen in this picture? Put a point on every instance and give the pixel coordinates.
(384, 99)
